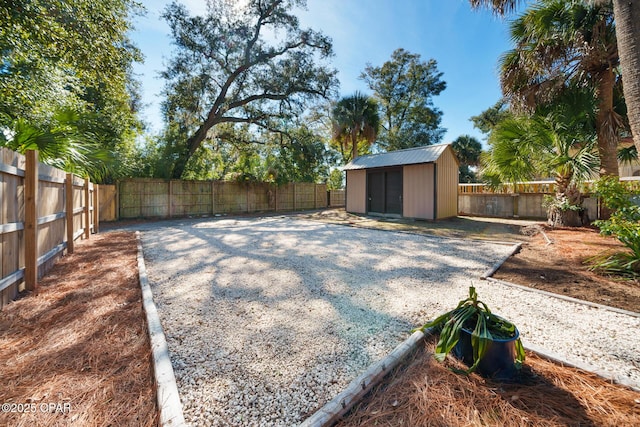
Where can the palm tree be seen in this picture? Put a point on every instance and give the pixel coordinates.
(627, 15)
(627, 28)
(558, 141)
(560, 41)
(60, 144)
(355, 122)
(468, 150)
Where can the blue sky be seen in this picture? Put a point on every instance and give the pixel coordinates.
(466, 45)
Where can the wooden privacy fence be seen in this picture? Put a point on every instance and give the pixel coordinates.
(156, 198)
(524, 200)
(336, 198)
(43, 210)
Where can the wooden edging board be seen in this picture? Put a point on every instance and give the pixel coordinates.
(355, 391)
(330, 413)
(167, 390)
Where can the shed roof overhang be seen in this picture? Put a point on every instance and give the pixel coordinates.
(410, 156)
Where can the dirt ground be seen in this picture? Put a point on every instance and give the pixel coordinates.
(78, 353)
(560, 267)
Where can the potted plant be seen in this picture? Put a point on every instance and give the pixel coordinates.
(486, 342)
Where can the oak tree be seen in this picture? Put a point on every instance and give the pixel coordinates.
(241, 65)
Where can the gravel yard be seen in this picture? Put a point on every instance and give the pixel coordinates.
(268, 319)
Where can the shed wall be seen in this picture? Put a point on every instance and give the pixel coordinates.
(356, 191)
(447, 185)
(417, 192)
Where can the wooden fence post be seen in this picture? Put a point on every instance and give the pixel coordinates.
(31, 221)
(87, 202)
(69, 213)
(170, 197)
(96, 208)
(294, 196)
(315, 196)
(117, 196)
(213, 198)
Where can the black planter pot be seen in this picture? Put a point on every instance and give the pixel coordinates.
(499, 360)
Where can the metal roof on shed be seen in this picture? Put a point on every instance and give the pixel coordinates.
(410, 156)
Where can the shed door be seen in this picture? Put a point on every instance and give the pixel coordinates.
(393, 191)
(384, 191)
(375, 188)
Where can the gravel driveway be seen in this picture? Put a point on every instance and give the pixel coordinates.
(268, 319)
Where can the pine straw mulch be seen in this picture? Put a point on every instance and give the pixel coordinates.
(423, 392)
(81, 343)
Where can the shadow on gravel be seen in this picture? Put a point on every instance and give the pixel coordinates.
(293, 309)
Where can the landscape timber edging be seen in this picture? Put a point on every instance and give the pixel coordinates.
(545, 354)
(331, 412)
(565, 297)
(168, 397)
(355, 391)
(516, 247)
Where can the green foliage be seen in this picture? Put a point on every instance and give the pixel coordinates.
(499, 7)
(237, 154)
(624, 224)
(559, 139)
(404, 87)
(356, 123)
(557, 41)
(60, 55)
(60, 144)
(475, 316)
(252, 66)
(628, 155)
(491, 117)
(560, 45)
(305, 158)
(336, 180)
(466, 174)
(468, 150)
(561, 203)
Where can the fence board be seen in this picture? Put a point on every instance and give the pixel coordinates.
(108, 203)
(336, 198)
(11, 212)
(33, 220)
(285, 197)
(230, 197)
(153, 198)
(191, 198)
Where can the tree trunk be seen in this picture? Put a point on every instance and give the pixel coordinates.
(607, 123)
(567, 218)
(567, 192)
(627, 17)
(354, 146)
(193, 143)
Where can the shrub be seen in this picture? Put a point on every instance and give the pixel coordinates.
(624, 224)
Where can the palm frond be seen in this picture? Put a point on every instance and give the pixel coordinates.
(60, 144)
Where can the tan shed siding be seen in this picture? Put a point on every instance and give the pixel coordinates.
(447, 185)
(356, 191)
(417, 192)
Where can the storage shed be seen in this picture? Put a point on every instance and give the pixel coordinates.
(420, 183)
